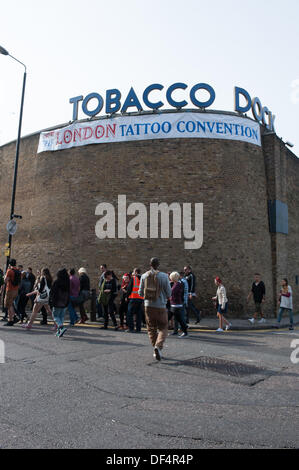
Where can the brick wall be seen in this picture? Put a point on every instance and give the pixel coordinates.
(57, 193)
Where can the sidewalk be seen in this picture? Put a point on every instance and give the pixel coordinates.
(210, 323)
(238, 324)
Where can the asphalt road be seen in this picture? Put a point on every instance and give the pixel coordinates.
(103, 389)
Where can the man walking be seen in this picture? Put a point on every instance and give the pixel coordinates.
(258, 291)
(156, 290)
(190, 278)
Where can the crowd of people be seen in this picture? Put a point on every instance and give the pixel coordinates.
(153, 299)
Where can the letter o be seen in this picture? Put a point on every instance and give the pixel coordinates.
(158, 128)
(188, 127)
(248, 132)
(202, 104)
(86, 101)
(257, 102)
(67, 136)
(168, 128)
(99, 132)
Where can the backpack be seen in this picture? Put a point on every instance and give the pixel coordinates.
(17, 278)
(151, 286)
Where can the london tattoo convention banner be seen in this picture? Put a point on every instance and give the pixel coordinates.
(186, 125)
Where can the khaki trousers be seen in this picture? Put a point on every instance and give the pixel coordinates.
(157, 325)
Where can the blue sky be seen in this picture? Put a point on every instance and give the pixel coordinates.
(73, 48)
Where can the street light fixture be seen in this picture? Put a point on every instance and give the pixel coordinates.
(12, 209)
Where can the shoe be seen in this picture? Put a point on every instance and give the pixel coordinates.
(197, 322)
(61, 332)
(183, 335)
(116, 328)
(252, 320)
(43, 322)
(81, 322)
(262, 320)
(104, 328)
(27, 326)
(4, 319)
(130, 331)
(157, 353)
(228, 327)
(174, 333)
(219, 329)
(291, 328)
(9, 323)
(16, 319)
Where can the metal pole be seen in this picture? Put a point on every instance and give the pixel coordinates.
(12, 209)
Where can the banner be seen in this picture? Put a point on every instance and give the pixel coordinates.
(186, 125)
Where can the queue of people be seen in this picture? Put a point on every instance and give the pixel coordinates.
(154, 299)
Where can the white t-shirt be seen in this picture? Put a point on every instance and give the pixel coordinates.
(287, 302)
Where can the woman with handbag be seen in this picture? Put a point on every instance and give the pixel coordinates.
(42, 297)
(84, 293)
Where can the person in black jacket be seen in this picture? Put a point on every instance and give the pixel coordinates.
(123, 304)
(190, 278)
(108, 292)
(84, 293)
(258, 291)
(31, 277)
(22, 299)
(59, 299)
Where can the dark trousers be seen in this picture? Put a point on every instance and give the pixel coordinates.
(135, 307)
(191, 308)
(179, 316)
(123, 310)
(21, 305)
(99, 308)
(109, 310)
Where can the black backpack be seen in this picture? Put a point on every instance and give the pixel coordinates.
(17, 278)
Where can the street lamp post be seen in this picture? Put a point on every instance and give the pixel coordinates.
(13, 196)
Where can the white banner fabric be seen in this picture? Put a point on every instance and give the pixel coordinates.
(152, 126)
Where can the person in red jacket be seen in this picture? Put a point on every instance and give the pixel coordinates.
(135, 306)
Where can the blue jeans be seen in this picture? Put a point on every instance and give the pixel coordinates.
(134, 307)
(179, 316)
(58, 314)
(73, 315)
(290, 312)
